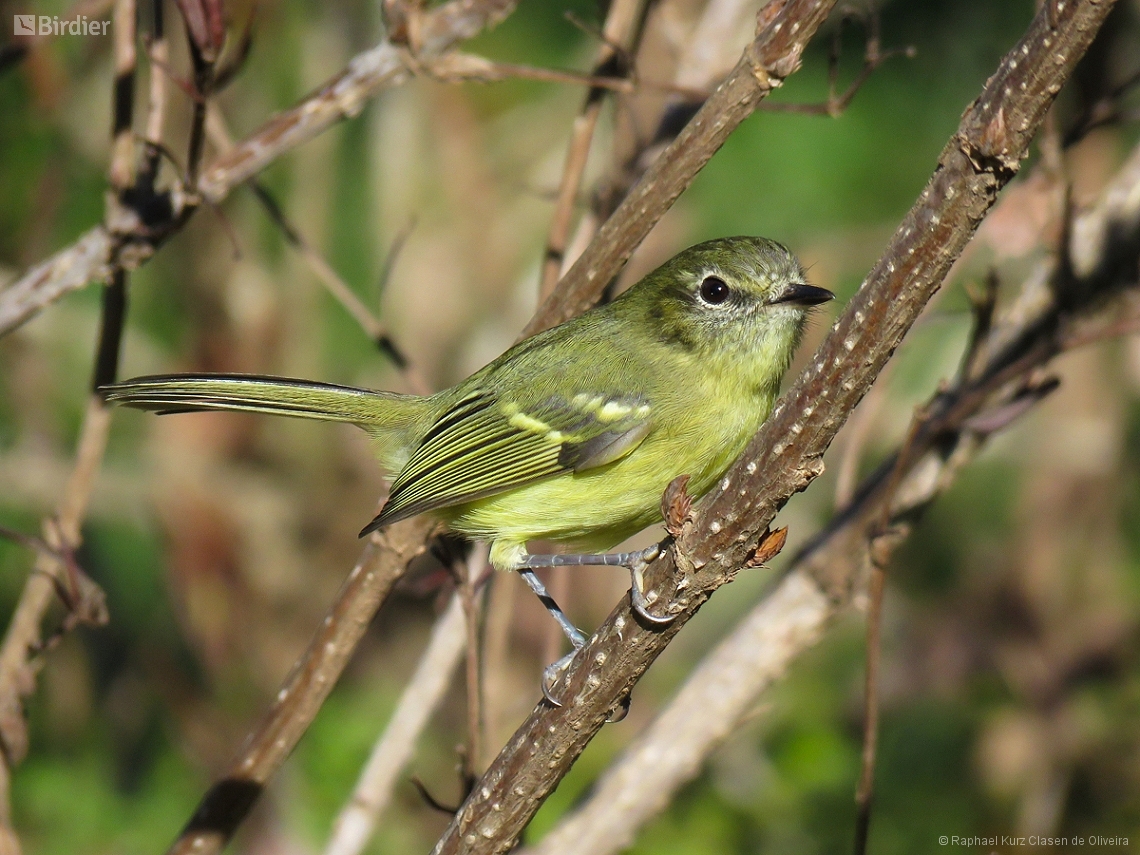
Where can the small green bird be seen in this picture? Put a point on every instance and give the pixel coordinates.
(573, 434)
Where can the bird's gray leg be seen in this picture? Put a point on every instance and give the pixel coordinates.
(636, 562)
(577, 637)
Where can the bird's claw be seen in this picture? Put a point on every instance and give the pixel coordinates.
(552, 672)
(550, 675)
(638, 601)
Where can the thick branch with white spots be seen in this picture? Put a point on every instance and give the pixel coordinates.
(787, 453)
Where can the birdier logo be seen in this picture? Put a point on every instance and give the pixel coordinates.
(52, 25)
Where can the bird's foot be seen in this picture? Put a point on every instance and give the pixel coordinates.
(551, 674)
(554, 671)
(639, 600)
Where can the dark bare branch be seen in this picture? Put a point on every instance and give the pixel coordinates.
(837, 102)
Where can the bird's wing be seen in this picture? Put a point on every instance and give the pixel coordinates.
(484, 445)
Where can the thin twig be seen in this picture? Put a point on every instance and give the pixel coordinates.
(340, 290)
(880, 546)
(982, 304)
(617, 31)
(469, 596)
(873, 57)
(456, 66)
(372, 326)
(394, 250)
(158, 55)
(122, 106)
(203, 84)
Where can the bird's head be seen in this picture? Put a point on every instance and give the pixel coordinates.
(743, 299)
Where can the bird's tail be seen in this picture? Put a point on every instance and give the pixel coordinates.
(388, 416)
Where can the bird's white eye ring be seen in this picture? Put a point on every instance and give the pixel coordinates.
(714, 290)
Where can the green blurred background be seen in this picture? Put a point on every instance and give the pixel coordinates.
(1011, 658)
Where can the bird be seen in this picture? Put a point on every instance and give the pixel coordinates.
(572, 435)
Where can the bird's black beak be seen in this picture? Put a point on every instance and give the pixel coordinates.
(801, 294)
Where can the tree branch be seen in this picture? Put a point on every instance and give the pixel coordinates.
(229, 800)
(786, 454)
(357, 819)
(86, 260)
(621, 20)
(718, 695)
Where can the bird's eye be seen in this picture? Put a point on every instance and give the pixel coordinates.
(714, 291)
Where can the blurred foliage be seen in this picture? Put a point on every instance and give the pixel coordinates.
(1012, 669)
